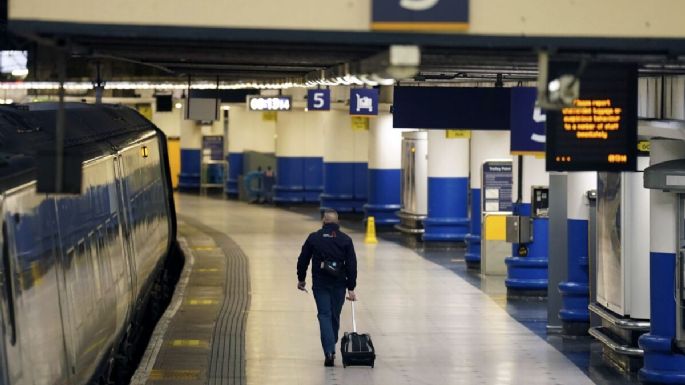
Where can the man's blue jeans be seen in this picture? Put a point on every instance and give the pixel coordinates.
(329, 303)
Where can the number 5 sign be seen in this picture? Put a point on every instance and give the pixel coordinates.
(319, 100)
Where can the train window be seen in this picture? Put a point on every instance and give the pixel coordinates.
(7, 285)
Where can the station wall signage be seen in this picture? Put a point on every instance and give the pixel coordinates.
(527, 123)
(420, 15)
(269, 103)
(319, 100)
(496, 190)
(599, 132)
(363, 101)
(452, 108)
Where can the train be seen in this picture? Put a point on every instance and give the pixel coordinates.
(81, 273)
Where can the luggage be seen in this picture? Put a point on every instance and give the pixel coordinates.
(357, 349)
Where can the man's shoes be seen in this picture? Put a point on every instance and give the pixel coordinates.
(330, 359)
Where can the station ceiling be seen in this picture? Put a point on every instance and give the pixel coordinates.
(228, 55)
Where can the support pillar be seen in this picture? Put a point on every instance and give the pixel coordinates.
(385, 150)
(484, 145)
(575, 292)
(448, 174)
(663, 362)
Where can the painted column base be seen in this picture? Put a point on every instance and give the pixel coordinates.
(575, 291)
(384, 215)
(527, 275)
(472, 239)
(662, 364)
(344, 186)
(472, 255)
(384, 196)
(445, 229)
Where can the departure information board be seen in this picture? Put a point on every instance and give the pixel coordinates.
(599, 132)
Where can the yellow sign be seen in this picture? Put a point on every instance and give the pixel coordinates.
(458, 134)
(269, 116)
(643, 146)
(145, 109)
(360, 123)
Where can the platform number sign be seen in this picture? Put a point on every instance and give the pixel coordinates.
(363, 101)
(319, 100)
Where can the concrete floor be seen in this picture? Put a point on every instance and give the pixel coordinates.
(429, 325)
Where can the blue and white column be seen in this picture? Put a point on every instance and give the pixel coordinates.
(575, 291)
(385, 164)
(299, 147)
(484, 145)
(448, 175)
(527, 267)
(345, 165)
(663, 363)
(191, 158)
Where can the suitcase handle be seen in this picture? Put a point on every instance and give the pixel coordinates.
(354, 321)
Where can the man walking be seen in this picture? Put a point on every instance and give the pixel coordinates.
(334, 269)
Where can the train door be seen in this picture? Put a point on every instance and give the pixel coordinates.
(10, 346)
(126, 224)
(4, 375)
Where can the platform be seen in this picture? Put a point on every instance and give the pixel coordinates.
(429, 325)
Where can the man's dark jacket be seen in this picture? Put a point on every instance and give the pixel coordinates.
(328, 243)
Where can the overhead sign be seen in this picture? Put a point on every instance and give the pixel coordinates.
(599, 132)
(527, 123)
(420, 15)
(496, 186)
(319, 100)
(269, 103)
(451, 108)
(363, 101)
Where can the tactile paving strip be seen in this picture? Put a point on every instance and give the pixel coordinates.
(205, 340)
(227, 355)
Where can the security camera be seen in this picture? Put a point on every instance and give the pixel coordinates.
(563, 91)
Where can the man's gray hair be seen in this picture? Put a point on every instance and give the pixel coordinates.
(330, 216)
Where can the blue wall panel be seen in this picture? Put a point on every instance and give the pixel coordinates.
(383, 196)
(289, 185)
(189, 178)
(313, 178)
(345, 186)
(447, 218)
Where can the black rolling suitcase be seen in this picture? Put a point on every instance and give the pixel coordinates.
(357, 349)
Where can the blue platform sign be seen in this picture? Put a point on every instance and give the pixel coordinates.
(319, 100)
(420, 15)
(527, 122)
(496, 186)
(363, 101)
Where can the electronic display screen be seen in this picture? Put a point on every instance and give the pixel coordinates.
(599, 132)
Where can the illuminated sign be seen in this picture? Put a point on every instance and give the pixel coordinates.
(599, 132)
(269, 103)
(319, 100)
(363, 101)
